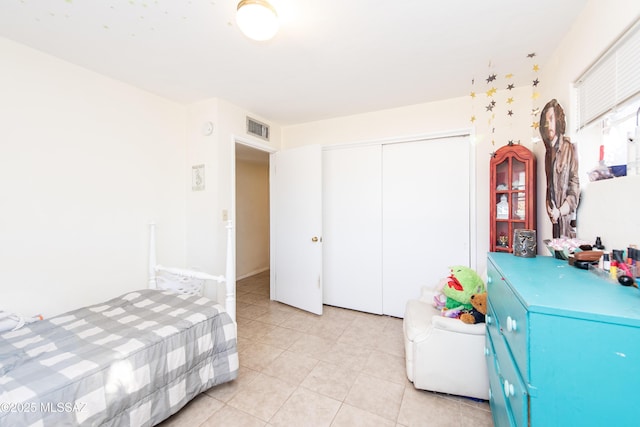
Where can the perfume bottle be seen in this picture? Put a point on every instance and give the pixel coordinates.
(606, 261)
(598, 245)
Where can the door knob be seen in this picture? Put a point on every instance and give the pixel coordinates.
(314, 239)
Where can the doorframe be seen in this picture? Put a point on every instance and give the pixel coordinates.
(257, 145)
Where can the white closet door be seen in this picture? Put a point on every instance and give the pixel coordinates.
(426, 216)
(352, 223)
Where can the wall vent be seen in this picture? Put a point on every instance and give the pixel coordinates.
(257, 128)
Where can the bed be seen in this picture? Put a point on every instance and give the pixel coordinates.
(133, 360)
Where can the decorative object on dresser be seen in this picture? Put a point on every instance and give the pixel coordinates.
(562, 344)
(524, 243)
(512, 195)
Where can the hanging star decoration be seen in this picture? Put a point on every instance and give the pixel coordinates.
(472, 94)
(506, 108)
(535, 95)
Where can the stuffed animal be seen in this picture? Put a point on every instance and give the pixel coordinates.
(477, 314)
(440, 299)
(461, 284)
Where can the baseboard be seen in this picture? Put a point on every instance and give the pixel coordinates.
(252, 273)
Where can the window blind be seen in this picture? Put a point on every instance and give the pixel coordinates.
(612, 80)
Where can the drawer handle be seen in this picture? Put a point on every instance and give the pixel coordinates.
(486, 351)
(489, 280)
(487, 319)
(512, 326)
(508, 389)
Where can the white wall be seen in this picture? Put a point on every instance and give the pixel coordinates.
(252, 217)
(85, 163)
(426, 119)
(597, 27)
(206, 234)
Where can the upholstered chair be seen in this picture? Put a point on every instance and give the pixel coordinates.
(444, 354)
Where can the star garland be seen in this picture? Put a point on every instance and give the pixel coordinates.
(492, 106)
(535, 95)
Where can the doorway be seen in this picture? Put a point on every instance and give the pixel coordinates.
(252, 217)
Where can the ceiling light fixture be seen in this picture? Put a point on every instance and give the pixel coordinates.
(257, 19)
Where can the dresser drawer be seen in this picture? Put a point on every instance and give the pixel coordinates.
(501, 414)
(509, 317)
(507, 382)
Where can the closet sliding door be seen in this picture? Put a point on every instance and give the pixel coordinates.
(425, 215)
(395, 217)
(352, 228)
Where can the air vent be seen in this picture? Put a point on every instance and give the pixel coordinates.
(257, 128)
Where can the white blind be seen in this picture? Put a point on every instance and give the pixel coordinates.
(612, 80)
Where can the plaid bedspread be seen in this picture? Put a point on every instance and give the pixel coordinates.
(131, 361)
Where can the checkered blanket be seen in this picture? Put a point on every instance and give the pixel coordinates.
(131, 361)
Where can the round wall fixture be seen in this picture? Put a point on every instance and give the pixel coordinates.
(207, 128)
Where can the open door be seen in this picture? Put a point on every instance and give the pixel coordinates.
(296, 227)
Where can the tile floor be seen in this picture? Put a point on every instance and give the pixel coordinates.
(344, 368)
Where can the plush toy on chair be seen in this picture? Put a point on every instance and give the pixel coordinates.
(461, 284)
(479, 311)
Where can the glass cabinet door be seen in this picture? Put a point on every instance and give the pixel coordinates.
(502, 176)
(518, 205)
(512, 195)
(518, 176)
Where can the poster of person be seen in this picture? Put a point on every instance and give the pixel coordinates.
(561, 168)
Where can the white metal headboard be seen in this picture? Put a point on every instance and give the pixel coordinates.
(229, 276)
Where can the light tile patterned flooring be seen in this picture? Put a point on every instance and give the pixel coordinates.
(344, 368)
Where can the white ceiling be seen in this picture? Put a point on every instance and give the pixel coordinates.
(330, 58)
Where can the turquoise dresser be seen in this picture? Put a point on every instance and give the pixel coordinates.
(563, 345)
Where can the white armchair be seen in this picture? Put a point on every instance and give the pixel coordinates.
(442, 354)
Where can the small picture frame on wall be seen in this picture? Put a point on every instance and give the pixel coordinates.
(197, 178)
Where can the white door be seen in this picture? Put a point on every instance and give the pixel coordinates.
(296, 218)
(352, 224)
(426, 216)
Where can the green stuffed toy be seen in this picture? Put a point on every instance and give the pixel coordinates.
(461, 284)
